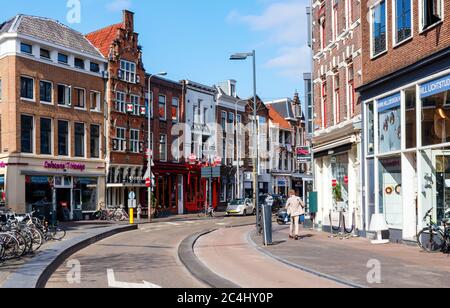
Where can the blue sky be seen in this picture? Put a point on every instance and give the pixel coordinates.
(193, 39)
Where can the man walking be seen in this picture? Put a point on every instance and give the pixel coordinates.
(295, 208)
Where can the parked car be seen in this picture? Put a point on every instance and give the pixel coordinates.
(242, 207)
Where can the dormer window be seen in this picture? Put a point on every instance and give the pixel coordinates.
(45, 54)
(79, 63)
(26, 48)
(95, 68)
(233, 90)
(63, 59)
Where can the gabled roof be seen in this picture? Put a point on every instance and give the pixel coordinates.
(278, 118)
(283, 107)
(51, 31)
(103, 38)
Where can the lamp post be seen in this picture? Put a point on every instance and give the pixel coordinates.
(244, 56)
(238, 160)
(150, 148)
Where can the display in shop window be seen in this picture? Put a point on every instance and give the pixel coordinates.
(389, 124)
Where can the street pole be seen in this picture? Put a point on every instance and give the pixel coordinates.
(150, 148)
(255, 163)
(238, 176)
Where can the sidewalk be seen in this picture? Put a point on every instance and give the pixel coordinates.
(401, 265)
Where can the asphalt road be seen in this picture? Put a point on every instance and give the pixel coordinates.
(149, 254)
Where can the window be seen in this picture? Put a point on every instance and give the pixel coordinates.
(26, 134)
(351, 90)
(175, 109)
(431, 12)
(147, 103)
(27, 88)
(233, 90)
(45, 54)
(335, 20)
(163, 148)
(239, 122)
(120, 102)
(231, 121)
(26, 48)
(45, 91)
(336, 101)
(370, 129)
(389, 124)
(324, 105)
(79, 63)
(136, 104)
(379, 36)
(223, 121)
(128, 71)
(62, 58)
(349, 13)
(64, 95)
(323, 31)
(46, 136)
(63, 138)
(410, 118)
(95, 101)
(121, 140)
(162, 107)
(205, 113)
(79, 98)
(403, 20)
(79, 140)
(95, 67)
(134, 141)
(95, 141)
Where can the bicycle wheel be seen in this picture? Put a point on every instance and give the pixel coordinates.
(23, 245)
(57, 233)
(36, 240)
(10, 246)
(431, 242)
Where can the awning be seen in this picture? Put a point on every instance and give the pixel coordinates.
(335, 144)
(125, 185)
(50, 173)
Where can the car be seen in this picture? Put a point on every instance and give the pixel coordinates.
(242, 207)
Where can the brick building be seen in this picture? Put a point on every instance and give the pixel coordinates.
(125, 130)
(406, 71)
(337, 64)
(52, 118)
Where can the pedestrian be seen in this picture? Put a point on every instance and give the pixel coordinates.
(295, 209)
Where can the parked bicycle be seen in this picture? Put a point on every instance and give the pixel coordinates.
(434, 238)
(112, 214)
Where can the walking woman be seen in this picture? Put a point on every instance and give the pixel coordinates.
(295, 208)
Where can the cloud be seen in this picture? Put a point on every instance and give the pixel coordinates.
(118, 5)
(283, 23)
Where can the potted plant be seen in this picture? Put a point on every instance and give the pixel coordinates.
(338, 198)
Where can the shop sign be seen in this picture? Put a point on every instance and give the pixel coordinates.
(3, 165)
(390, 102)
(64, 166)
(434, 87)
(304, 154)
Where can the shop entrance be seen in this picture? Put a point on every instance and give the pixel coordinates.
(441, 189)
(63, 204)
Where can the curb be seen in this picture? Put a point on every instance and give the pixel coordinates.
(38, 271)
(302, 268)
(197, 268)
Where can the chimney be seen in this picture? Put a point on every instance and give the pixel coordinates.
(128, 20)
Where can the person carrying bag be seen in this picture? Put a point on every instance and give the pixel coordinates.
(296, 210)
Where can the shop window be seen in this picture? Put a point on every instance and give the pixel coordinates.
(95, 141)
(46, 136)
(45, 91)
(371, 187)
(403, 20)
(85, 193)
(389, 124)
(339, 170)
(370, 129)
(410, 118)
(432, 12)
(27, 134)
(63, 138)
(390, 181)
(38, 194)
(79, 140)
(379, 32)
(436, 112)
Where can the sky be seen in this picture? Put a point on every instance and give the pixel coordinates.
(194, 39)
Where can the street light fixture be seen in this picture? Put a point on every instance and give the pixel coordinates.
(244, 56)
(150, 148)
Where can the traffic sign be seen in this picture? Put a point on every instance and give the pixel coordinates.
(132, 195)
(148, 183)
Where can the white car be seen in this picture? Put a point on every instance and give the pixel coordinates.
(242, 207)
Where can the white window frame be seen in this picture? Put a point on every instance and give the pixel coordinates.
(421, 16)
(26, 53)
(99, 140)
(165, 148)
(34, 89)
(84, 141)
(66, 88)
(165, 107)
(372, 38)
(98, 101)
(134, 141)
(394, 24)
(52, 99)
(122, 139)
(175, 99)
(223, 125)
(76, 89)
(135, 100)
(128, 75)
(335, 26)
(120, 103)
(51, 135)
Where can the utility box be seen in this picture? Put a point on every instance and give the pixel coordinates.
(267, 215)
(313, 202)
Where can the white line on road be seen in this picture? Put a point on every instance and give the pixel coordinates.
(113, 283)
(172, 223)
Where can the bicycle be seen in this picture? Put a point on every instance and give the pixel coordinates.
(434, 238)
(209, 212)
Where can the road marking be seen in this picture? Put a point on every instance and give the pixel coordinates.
(113, 283)
(221, 223)
(190, 222)
(172, 223)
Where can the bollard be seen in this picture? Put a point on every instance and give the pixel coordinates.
(131, 216)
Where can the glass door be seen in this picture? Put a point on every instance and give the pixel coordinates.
(391, 203)
(441, 163)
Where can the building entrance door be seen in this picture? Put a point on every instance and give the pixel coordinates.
(64, 204)
(441, 187)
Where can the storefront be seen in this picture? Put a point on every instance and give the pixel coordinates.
(407, 153)
(281, 184)
(70, 190)
(121, 181)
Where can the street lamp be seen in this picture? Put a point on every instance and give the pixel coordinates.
(244, 56)
(150, 148)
